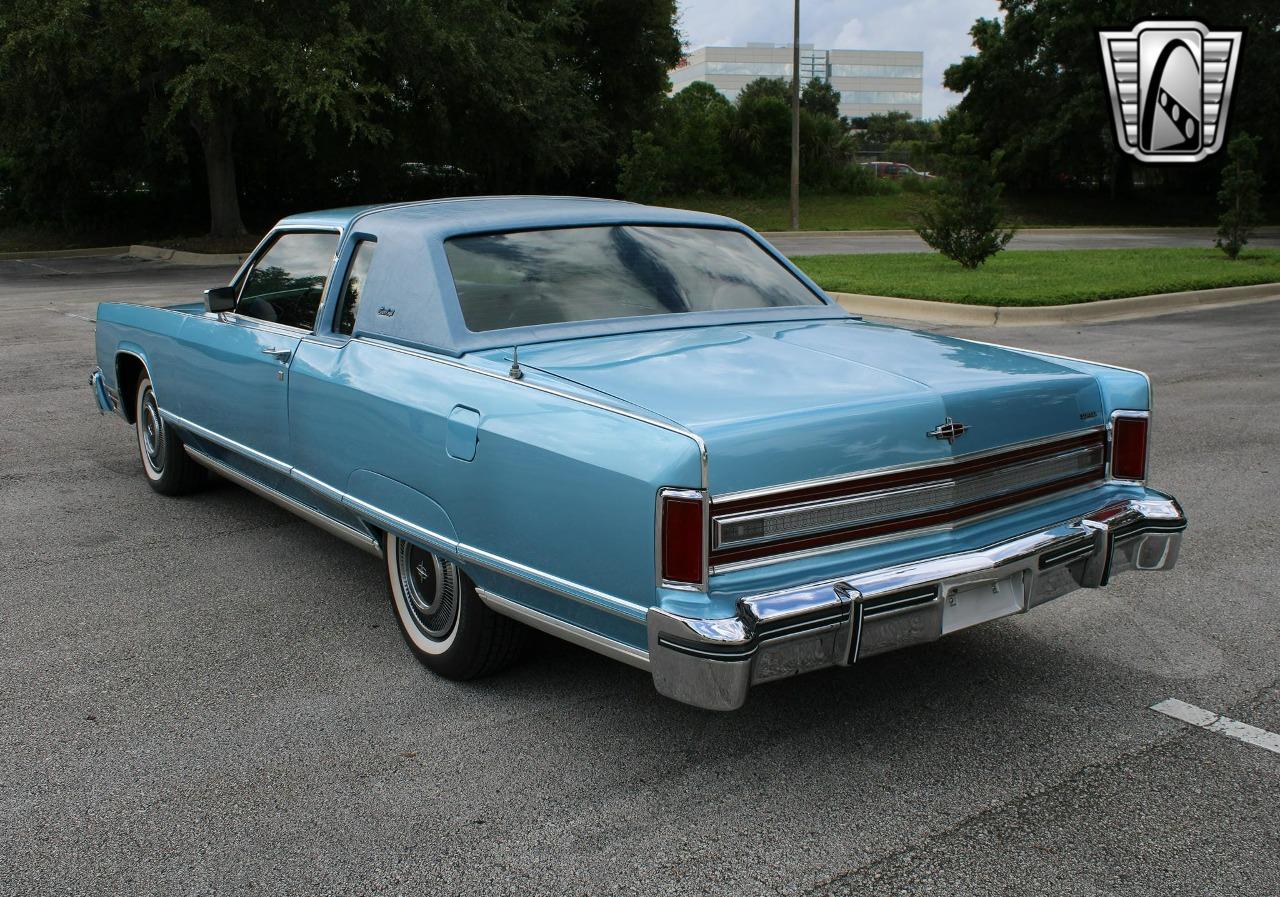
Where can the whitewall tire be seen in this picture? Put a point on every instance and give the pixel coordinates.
(442, 618)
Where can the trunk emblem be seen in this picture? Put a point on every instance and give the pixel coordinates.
(949, 430)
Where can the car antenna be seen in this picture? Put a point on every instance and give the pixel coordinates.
(515, 372)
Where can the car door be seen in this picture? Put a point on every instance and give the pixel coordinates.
(239, 388)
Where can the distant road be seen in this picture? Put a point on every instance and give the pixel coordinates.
(853, 242)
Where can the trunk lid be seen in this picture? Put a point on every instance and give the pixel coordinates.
(788, 402)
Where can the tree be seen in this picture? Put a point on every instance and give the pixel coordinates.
(1239, 196)
(294, 105)
(821, 99)
(687, 150)
(1034, 89)
(210, 61)
(763, 88)
(963, 218)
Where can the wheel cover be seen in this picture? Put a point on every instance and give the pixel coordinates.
(151, 429)
(430, 590)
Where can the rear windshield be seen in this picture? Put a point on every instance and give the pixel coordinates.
(591, 273)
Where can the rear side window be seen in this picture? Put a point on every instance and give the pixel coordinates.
(353, 288)
(553, 276)
(286, 283)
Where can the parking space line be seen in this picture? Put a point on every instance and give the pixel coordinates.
(1223, 725)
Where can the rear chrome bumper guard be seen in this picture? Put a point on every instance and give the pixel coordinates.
(713, 663)
(102, 394)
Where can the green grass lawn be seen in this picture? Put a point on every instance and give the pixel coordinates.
(839, 212)
(1041, 278)
(817, 212)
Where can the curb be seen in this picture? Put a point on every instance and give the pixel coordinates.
(930, 312)
(182, 257)
(64, 253)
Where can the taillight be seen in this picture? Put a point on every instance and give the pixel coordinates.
(682, 539)
(1129, 446)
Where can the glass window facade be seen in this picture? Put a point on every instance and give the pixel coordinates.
(882, 97)
(756, 69)
(876, 71)
(861, 76)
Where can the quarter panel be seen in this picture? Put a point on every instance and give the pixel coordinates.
(556, 485)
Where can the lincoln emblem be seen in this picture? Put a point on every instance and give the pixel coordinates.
(948, 430)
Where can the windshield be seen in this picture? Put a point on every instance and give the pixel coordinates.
(525, 278)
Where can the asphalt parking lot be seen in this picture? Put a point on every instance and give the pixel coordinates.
(207, 695)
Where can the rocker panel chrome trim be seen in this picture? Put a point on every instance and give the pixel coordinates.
(311, 515)
(458, 550)
(584, 638)
(252, 454)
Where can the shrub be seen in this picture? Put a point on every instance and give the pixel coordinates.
(1239, 196)
(963, 218)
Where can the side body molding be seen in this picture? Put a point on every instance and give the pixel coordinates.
(401, 508)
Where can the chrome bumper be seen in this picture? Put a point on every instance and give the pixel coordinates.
(106, 401)
(712, 663)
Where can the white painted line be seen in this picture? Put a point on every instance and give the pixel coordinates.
(1223, 725)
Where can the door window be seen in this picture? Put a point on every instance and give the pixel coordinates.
(286, 283)
(357, 273)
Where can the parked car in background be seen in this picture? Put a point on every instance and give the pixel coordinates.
(896, 170)
(640, 429)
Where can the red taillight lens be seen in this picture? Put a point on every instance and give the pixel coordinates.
(1129, 448)
(682, 540)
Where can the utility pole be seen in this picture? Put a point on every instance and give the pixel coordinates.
(795, 121)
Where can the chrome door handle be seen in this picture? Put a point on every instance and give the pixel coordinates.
(280, 355)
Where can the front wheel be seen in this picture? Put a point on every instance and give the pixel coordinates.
(442, 618)
(169, 469)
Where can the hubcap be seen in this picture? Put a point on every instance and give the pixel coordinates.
(152, 428)
(429, 590)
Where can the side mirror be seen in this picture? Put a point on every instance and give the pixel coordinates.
(220, 299)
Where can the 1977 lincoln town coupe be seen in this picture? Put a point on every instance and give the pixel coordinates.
(640, 429)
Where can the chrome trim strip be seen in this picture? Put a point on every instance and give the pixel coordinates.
(696, 495)
(310, 515)
(584, 638)
(550, 390)
(946, 488)
(115, 363)
(531, 575)
(840, 479)
(205, 433)
(334, 495)
(289, 229)
(735, 566)
(1151, 394)
(543, 580)
(390, 521)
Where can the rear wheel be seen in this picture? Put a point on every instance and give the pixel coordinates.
(169, 469)
(442, 618)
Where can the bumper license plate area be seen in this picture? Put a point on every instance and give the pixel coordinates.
(970, 603)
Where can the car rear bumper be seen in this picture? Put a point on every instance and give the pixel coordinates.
(106, 401)
(712, 663)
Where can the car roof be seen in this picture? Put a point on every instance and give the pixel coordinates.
(416, 272)
(475, 214)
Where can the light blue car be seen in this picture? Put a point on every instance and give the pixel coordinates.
(642, 430)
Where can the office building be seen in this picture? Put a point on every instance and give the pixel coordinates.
(869, 81)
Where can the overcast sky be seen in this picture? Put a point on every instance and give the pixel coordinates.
(938, 27)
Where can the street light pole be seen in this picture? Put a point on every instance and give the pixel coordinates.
(795, 121)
